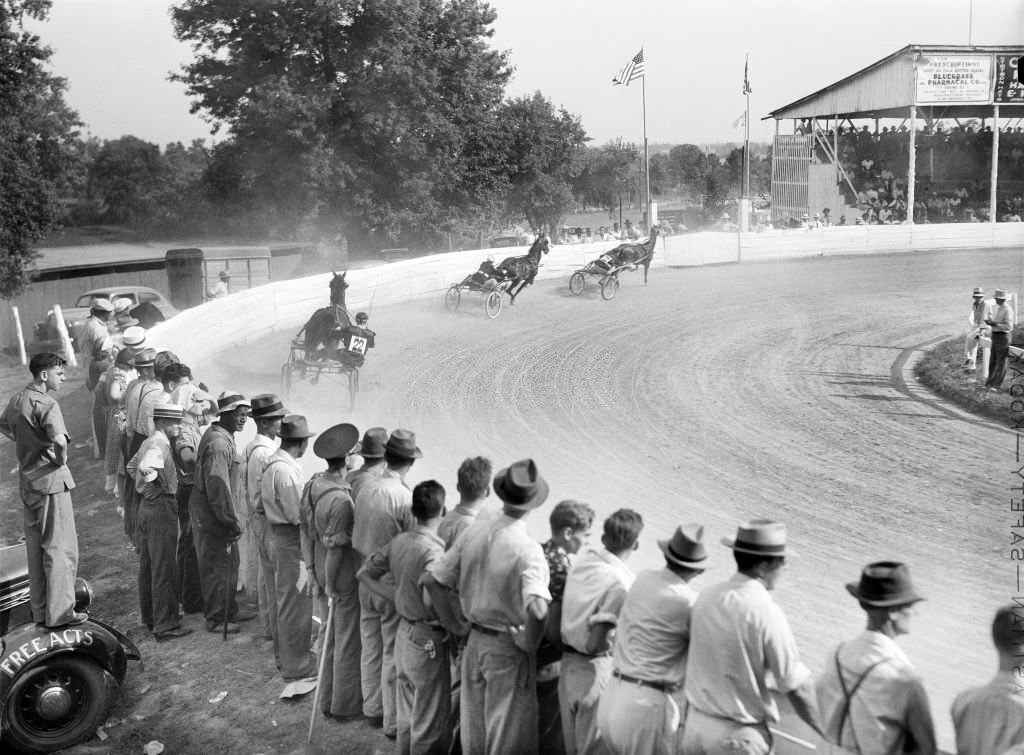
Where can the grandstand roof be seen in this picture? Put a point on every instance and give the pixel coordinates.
(914, 75)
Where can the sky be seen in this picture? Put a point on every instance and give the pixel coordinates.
(116, 56)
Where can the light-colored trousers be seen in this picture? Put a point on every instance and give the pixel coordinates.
(499, 697)
(378, 623)
(51, 544)
(423, 687)
(708, 735)
(971, 347)
(580, 684)
(294, 609)
(265, 591)
(637, 720)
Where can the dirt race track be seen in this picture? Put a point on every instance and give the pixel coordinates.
(723, 393)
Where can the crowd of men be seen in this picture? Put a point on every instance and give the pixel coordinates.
(453, 627)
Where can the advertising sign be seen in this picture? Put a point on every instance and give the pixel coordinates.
(1008, 85)
(943, 79)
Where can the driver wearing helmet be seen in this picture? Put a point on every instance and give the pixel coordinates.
(357, 340)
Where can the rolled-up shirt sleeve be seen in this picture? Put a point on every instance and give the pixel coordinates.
(534, 577)
(445, 570)
(782, 657)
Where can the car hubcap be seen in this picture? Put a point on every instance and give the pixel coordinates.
(54, 703)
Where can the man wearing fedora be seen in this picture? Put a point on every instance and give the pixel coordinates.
(1000, 320)
(215, 525)
(592, 598)
(155, 476)
(267, 413)
(638, 712)
(739, 637)
(144, 388)
(280, 493)
(976, 327)
(371, 449)
(501, 578)
(422, 647)
(383, 508)
(990, 718)
(327, 544)
(870, 698)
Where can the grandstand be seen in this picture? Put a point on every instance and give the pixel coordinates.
(929, 134)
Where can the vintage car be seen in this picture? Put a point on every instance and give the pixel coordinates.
(56, 685)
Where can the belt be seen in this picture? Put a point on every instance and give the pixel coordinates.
(660, 686)
(425, 623)
(487, 630)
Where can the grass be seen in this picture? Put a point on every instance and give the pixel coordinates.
(941, 370)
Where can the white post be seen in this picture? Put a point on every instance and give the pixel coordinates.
(21, 336)
(65, 339)
(982, 360)
(993, 180)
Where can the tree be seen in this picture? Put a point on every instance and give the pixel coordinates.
(126, 178)
(611, 176)
(367, 117)
(545, 151)
(37, 132)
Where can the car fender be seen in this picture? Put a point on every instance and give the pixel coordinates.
(30, 645)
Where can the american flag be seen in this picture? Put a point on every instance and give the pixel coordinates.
(634, 70)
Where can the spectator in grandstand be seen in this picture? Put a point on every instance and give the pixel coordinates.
(870, 699)
(990, 718)
(976, 327)
(1001, 320)
(738, 637)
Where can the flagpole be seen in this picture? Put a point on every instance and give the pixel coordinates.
(647, 164)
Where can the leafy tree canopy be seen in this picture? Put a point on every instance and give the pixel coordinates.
(37, 148)
(376, 117)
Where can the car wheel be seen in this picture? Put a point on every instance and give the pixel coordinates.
(57, 704)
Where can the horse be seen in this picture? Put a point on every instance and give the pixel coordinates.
(633, 254)
(324, 330)
(523, 269)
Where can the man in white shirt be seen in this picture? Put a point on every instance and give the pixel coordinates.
(976, 327)
(870, 699)
(990, 718)
(638, 713)
(1001, 320)
(739, 637)
(595, 590)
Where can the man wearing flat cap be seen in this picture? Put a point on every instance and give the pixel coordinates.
(215, 526)
(638, 712)
(371, 450)
(739, 637)
(280, 492)
(327, 516)
(267, 413)
(501, 579)
(154, 475)
(870, 699)
(383, 508)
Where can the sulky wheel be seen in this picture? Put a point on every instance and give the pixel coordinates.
(576, 283)
(609, 287)
(452, 298)
(56, 704)
(492, 304)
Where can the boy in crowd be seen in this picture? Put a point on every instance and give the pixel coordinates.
(474, 485)
(423, 683)
(594, 593)
(156, 480)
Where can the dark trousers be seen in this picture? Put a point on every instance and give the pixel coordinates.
(188, 564)
(158, 567)
(218, 571)
(130, 498)
(341, 684)
(997, 359)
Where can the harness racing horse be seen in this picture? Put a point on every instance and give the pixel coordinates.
(325, 329)
(522, 270)
(633, 254)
